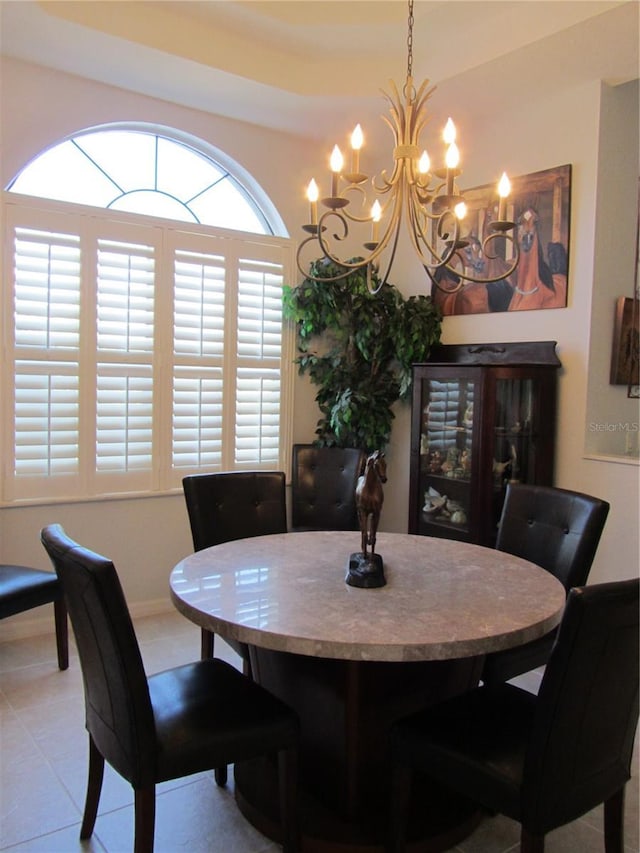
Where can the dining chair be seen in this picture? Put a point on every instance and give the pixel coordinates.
(230, 505)
(559, 530)
(323, 485)
(23, 588)
(541, 760)
(184, 720)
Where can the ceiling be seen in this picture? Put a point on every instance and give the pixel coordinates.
(307, 66)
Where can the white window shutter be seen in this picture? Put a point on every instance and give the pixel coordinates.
(124, 369)
(258, 363)
(44, 375)
(139, 353)
(198, 352)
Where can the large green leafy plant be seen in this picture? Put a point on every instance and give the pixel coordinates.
(358, 348)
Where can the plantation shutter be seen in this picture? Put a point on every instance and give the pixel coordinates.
(44, 381)
(124, 370)
(139, 353)
(198, 351)
(259, 353)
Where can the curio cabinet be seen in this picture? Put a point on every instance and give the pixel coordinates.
(483, 415)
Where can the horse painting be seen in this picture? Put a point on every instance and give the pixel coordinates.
(536, 285)
(454, 296)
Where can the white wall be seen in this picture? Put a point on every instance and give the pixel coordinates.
(611, 415)
(146, 537)
(553, 132)
(543, 134)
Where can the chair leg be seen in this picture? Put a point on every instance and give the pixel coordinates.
(145, 819)
(220, 774)
(62, 632)
(614, 823)
(206, 644)
(288, 785)
(401, 778)
(246, 668)
(94, 787)
(530, 843)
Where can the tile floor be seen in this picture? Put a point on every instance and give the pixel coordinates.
(44, 759)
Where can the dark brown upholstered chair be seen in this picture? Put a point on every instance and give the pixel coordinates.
(181, 721)
(23, 588)
(560, 531)
(234, 505)
(541, 760)
(323, 485)
(230, 505)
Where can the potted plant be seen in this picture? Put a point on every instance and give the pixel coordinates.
(358, 349)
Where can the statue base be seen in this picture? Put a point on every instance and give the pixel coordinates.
(365, 572)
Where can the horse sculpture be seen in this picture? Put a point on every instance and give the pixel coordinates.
(370, 497)
(365, 568)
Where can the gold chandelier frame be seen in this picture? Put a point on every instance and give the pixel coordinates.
(428, 200)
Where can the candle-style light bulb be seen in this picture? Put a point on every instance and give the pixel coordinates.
(449, 132)
(504, 188)
(312, 195)
(356, 144)
(376, 214)
(424, 163)
(460, 210)
(453, 156)
(335, 162)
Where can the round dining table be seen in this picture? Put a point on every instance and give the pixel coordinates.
(352, 660)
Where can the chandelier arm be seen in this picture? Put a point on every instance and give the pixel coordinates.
(418, 235)
(384, 279)
(387, 183)
(352, 217)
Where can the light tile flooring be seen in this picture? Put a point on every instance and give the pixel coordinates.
(44, 762)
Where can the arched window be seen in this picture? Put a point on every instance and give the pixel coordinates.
(144, 172)
(147, 340)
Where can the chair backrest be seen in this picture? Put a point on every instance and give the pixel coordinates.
(556, 528)
(587, 710)
(119, 716)
(323, 485)
(235, 505)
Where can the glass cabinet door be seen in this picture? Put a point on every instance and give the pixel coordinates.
(515, 439)
(446, 462)
(514, 443)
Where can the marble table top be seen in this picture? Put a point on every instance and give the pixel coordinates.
(443, 599)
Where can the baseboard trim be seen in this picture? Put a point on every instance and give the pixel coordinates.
(24, 625)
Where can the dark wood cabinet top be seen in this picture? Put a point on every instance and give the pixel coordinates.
(519, 353)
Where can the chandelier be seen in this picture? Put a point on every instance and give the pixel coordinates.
(427, 199)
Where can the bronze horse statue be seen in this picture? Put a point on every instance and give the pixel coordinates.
(369, 499)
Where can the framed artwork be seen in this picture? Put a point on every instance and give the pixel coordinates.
(633, 387)
(540, 205)
(624, 351)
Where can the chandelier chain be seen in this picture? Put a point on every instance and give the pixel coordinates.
(410, 42)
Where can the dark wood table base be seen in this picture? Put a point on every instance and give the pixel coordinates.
(438, 820)
(346, 709)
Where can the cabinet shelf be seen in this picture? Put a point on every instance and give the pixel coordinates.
(443, 480)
